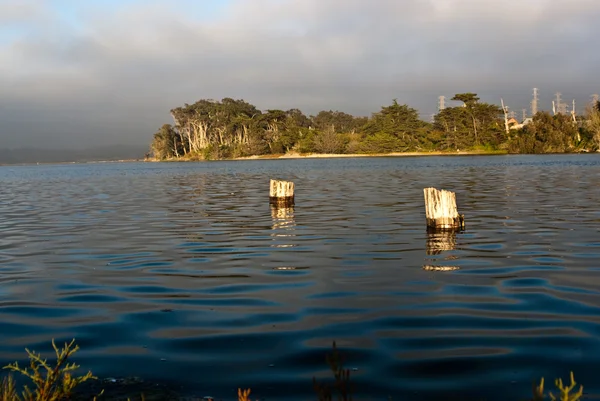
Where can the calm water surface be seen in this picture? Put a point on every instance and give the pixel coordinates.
(181, 272)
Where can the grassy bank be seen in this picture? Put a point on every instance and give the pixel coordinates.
(57, 382)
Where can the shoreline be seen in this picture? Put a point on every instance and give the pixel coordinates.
(295, 155)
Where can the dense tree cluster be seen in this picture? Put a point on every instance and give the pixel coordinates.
(230, 128)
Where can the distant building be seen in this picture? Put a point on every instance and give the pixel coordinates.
(512, 121)
(514, 124)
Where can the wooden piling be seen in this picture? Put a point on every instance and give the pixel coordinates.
(281, 193)
(440, 210)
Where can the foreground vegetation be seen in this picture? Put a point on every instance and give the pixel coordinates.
(56, 383)
(232, 128)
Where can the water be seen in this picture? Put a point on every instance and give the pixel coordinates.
(181, 272)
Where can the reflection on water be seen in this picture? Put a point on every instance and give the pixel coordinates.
(440, 268)
(440, 241)
(183, 272)
(283, 221)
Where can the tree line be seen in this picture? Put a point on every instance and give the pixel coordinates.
(231, 128)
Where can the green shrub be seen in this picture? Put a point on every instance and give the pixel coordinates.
(50, 383)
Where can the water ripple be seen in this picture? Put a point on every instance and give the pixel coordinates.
(183, 272)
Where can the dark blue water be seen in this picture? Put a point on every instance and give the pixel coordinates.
(181, 272)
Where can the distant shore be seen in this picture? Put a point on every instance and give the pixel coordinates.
(296, 155)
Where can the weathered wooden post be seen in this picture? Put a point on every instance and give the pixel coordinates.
(441, 212)
(281, 193)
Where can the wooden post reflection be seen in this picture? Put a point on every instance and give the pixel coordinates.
(440, 268)
(283, 217)
(439, 241)
(284, 224)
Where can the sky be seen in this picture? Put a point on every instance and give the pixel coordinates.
(77, 74)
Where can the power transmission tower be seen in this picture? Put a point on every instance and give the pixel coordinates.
(561, 108)
(524, 114)
(534, 102)
(512, 114)
(441, 103)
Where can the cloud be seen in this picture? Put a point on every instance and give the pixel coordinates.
(13, 12)
(83, 73)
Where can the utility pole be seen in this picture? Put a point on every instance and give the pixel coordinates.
(534, 102)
